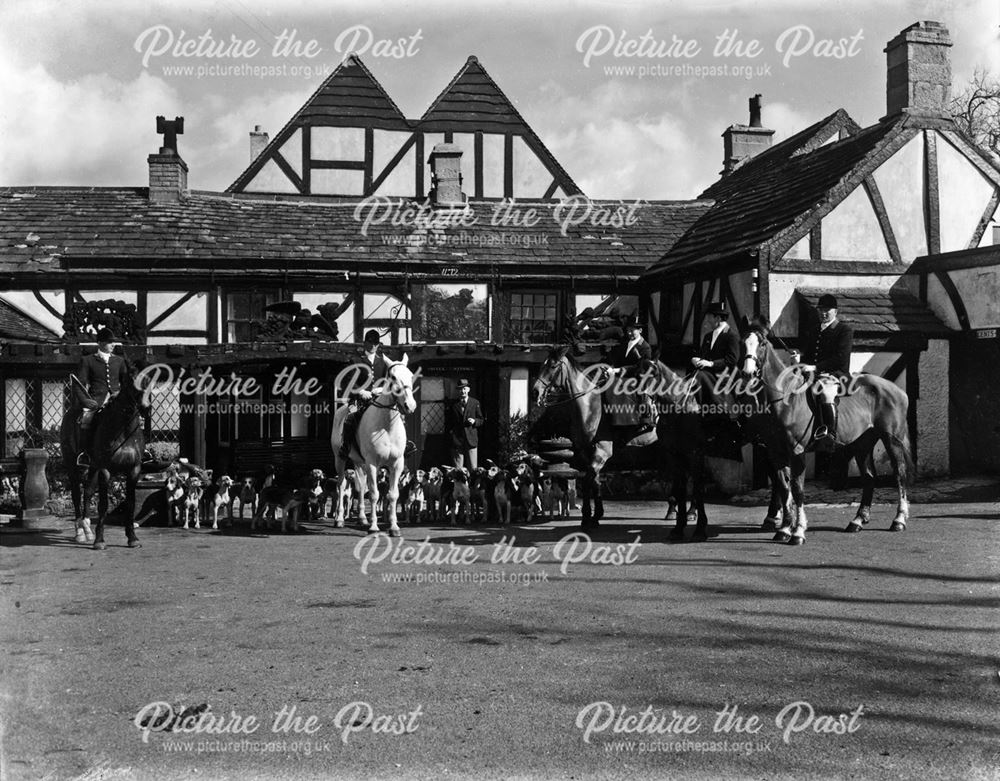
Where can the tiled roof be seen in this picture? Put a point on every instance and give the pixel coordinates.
(770, 197)
(881, 311)
(19, 326)
(53, 226)
(814, 136)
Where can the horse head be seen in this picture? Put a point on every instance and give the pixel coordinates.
(401, 385)
(553, 374)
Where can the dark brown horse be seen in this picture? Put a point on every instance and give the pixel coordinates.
(116, 447)
(680, 436)
(873, 410)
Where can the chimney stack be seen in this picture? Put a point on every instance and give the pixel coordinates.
(741, 142)
(918, 75)
(446, 175)
(167, 171)
(258, 140)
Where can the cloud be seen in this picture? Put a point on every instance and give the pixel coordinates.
(94, 130)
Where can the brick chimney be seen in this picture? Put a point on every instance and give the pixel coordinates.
(918, 76)
(167, 171)
(258, 140)
(741, 142)
(446, 175)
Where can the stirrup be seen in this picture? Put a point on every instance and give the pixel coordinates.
(410, 448)
(823, 432)
(83, 460)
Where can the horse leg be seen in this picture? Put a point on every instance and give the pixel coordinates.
(341, 499)
(373, 497)
(776, 504)
(392, 497)
(680, 498)
(602, 453)
(130, 484)
(898, 449)
(798, 494)
(866, 467)
(792, 498)
(697, 469)
(103, 477)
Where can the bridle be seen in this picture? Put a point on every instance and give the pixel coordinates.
(558, 381)
(397, 396)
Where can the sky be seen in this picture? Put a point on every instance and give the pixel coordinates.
(81, 83)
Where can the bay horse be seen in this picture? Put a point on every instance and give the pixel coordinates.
(680, 435)
(116, 447)
(874, 409)
(381, 442)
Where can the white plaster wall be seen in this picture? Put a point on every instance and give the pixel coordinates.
(191, 315)
(336, 181)
(900, 181)
(291, 150)
(401, 182)
(337, 143)
(26, 302)
(851, 231)
(964, 195)
(987, 240)
(784, 309)
(531, 178)
(799, 250)
(493, 165)
(271, 179)
(932, 409)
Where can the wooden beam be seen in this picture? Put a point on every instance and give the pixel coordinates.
(508, 165)
(419, 172)
(875, 197)
(306, 157)
(391, 165)
(551, 190)
(816, 242)
(991, 207)
(338, 165)
(478, 163)
(288, 171)
(369, 160)
(955, 297)
(46, 305)
(932, 205)
(170, 310)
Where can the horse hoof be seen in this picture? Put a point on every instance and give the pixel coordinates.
(671, 516)
(395, 533)
(100, 546)
(769, 524)
(338, 525)
(81, 536)
(797, 541)
(853, 528)
(134, 543)
(781, 537)
(897, 526)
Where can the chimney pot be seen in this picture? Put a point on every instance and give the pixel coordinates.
(446, 175)
(755, 111)
(918, 71)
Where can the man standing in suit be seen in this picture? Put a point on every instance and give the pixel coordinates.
(464, 417)
(829, 356)
(630, 357)
(98, 380)
(378, 369)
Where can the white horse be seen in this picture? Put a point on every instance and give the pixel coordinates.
(382, 440)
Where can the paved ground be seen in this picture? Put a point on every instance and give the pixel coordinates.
(889, 638)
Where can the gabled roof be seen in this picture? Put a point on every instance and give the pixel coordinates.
(18, 325)
(778, 193)
(349, 97)
(881, 311)
(243, 234)
(472, 101)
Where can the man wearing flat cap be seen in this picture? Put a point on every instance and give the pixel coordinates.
(829, 356)
(376, 364)
(464, 418)
(98, 380)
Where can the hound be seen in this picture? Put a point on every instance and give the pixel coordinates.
(247, 497)
(173, 488)
(192, 501)
(221, 495)
(504, 487)
(459, 497)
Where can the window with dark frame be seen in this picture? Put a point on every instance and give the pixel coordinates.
(243, 309)
(533, 317)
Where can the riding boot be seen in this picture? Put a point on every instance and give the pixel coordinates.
(83, 457)
(347, 435)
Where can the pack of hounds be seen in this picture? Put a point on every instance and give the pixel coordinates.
(440, 495)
